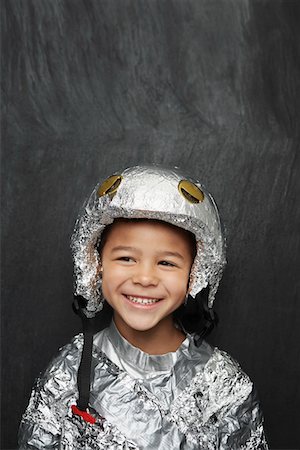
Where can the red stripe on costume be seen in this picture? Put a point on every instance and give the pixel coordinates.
(84, 414)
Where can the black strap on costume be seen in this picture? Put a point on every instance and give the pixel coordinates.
(84, 371)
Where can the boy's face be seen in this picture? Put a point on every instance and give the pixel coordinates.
(146, 267)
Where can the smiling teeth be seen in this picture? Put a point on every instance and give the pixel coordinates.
(142, 301)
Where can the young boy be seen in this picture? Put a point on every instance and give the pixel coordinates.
(149, 254)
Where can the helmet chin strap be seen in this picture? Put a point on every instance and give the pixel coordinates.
(84, 371)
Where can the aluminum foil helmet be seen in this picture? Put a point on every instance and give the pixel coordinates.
(148, 192)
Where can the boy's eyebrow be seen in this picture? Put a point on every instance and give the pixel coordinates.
(123, 247)
(162, 253)
(167, 253)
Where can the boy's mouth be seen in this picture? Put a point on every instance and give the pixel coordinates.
(142, 300)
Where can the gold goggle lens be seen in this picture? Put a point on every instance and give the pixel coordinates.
(110, 186)
(190, 191)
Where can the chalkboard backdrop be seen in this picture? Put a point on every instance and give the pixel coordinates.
(211, 86)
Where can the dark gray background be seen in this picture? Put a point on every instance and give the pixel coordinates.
(210, 86)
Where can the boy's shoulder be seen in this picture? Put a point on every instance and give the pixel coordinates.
(70, 350)
(218, 361)
(224, 364)
(221, 380)
(223, 369)
(61, 372)
(62, 367)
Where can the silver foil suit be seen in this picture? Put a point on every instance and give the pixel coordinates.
(194, 398)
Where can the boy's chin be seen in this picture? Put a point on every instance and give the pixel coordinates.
(138, 324)
(142, 326)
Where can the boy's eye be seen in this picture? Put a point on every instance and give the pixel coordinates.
(167, 263)
(125, 258)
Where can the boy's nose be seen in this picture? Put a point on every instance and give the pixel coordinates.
(145, 276)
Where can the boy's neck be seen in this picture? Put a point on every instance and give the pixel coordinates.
(161, 339)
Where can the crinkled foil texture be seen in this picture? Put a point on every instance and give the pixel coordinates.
(215, 409)
(48, 421)
(148, 193)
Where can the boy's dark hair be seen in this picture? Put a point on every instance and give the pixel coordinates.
(190, 236)
(193, 317)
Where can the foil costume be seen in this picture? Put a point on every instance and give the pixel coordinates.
(195, 398)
